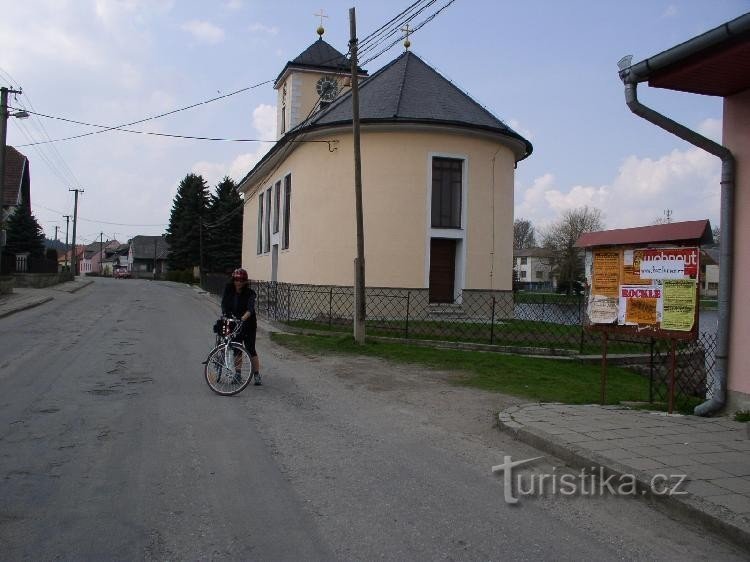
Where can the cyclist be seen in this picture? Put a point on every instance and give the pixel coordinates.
(239, 301)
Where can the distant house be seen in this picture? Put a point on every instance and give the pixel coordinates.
(93, 256)
(534, 269)
(17, 187)
(709, 261)
(147, 256)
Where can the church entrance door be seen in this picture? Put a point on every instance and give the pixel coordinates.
(442, 269)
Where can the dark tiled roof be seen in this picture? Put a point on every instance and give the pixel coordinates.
(533, 253)
(143, 247)
(410, 90)
(407, 90)
(319, 56)
(16, 164)
(687, 231)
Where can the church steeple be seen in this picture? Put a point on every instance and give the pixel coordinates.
(310, 82)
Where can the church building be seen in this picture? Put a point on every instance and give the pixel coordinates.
(437, 182)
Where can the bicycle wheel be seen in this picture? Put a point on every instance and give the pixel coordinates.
(228, 369)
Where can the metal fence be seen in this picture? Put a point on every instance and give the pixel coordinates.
(538, 323)
(10, 264)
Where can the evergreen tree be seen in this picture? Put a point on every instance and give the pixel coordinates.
(223, 243)
(24, 233)
(184, 231)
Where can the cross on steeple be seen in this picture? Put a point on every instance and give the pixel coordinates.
(321, 15)
(407, 32)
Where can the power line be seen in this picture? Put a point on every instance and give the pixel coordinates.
(114, 128)
(170, 135)
(97, 220)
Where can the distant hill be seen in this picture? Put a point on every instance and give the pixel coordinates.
(54, 244)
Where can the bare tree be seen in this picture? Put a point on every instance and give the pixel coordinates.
(716, 231)
(561, 236)
(524, 235)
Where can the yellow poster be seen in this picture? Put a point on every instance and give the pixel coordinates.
(631, 268)
(606, 273)
(679, 305)
(641, 311)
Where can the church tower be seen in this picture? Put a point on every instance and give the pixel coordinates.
(310, 83)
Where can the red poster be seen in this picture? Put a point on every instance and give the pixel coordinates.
(687, 255)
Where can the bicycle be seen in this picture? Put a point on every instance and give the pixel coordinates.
(228, 369)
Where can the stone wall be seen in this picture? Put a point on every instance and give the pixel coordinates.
(41, 280)
(6, 285)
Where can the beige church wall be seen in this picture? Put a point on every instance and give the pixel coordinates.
(396, 170)
(736, 138)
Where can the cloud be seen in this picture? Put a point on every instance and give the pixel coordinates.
(204, 31)
(711, 128)
(670, 11)
(264, 123)
(233, 5)
(515, 124)
(685, 181)
(259, 27)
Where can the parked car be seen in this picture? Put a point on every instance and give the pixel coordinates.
(122, 273)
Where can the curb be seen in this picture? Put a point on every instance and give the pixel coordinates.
(84, 284)
(689, 507)
(25, 306)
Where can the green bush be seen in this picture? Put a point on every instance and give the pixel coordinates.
(181, 275)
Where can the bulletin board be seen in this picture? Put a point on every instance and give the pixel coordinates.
(649, 291)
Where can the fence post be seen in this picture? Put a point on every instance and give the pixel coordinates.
(651, 374)
(330, 308)
(289, 305)
(408, 302)
(492, 322)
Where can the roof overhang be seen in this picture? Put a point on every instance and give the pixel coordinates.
(716, 63)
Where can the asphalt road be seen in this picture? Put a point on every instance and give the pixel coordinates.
(113, 447)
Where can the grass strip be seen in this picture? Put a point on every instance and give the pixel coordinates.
(546, 380)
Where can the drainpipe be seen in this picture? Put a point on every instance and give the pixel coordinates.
(719, 386)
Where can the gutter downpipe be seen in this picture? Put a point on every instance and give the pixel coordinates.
(719, 386)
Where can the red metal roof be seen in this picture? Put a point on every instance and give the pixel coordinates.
(694, 232)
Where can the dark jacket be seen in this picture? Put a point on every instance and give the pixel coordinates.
(236, 304)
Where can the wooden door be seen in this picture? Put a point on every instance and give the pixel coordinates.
(442, 269)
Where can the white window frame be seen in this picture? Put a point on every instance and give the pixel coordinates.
(458, 234)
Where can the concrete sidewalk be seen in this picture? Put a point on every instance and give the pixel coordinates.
(713, 453)
(23, 298)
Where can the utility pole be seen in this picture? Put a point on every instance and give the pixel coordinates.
(73, 257)
(155, 258)
(200, 247)
(56, 229)
(360, 307)
(101, 252)
(3, 139)
(67, 249)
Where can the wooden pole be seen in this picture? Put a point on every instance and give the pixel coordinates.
(359, 267)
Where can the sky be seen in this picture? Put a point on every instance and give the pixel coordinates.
(546, 68)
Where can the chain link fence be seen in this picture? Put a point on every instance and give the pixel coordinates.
(534, 323)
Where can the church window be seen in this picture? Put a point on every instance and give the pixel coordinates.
(276, 206)
(446, 192)
(259, 248)
(287, 209)
(267, 231)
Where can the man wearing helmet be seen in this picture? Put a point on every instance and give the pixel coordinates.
(239, 301)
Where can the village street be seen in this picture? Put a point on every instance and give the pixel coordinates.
(113, 447)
